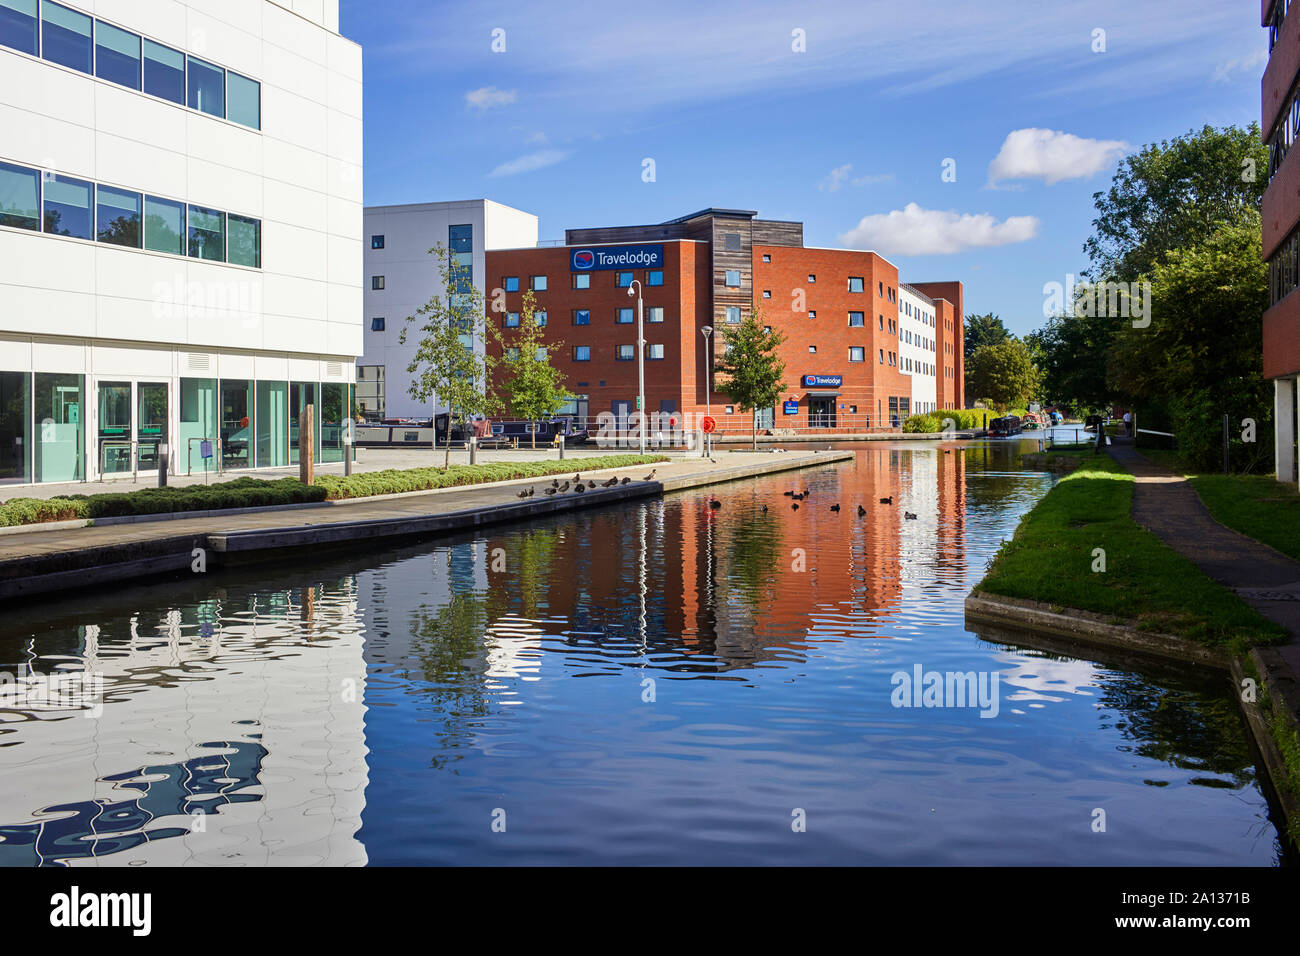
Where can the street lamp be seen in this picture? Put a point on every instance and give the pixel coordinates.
(706, 331)
(640, 360)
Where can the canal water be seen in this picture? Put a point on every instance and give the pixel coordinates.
(656, 683)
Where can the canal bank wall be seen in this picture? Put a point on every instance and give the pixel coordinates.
(44, 562)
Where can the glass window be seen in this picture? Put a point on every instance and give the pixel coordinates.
(244, 238)
(60, 451)
(207, 87)
(539, 283)
(857, 353)
(656, 314)
(236, 428)
(766, 257)
(812, 313)
(461, 238)
(207, 234)
(512, 283)
(67, 206)
(540, 319)
(582, 317)
(733, 315)
(582, 353)
(332, 412)
(624, 316)
(512, 320)
(15, 426)
(626, 353)
(376, 242)
(244, 101)
(654, 352)
(733, 278)
(376, 282)
(582, 280)
(655, 277)
(18, 25)
(812, 278)
(272, 426)
(20, 197)
(855, 320)
(65, 37)
(376, 325)
(164, 72)
(117, 217)
(624, 279)
(117, 55)
(164, 225)
(731, 241)
(512, 353)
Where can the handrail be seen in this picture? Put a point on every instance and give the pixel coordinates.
(189, 454)
(130, 444)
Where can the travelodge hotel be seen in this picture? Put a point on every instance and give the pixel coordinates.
(862, 350)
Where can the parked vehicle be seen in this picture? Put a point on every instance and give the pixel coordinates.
(1005, 426)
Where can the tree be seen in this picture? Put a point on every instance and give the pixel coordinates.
(1003, 374)
(447, 367)
(982, 330)
(1174, 194)
(750, 366)
(1072, 357)
(534, 387)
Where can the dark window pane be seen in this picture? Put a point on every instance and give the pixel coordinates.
(18, 25)
(461, 238)
(117, 55)
(20, 197)
(244, 237)
(164, 72)
(164, 226)
(244, 98)
(207, 88)
(117, 217)
(65, 37)
(207, 234)
(67, 206)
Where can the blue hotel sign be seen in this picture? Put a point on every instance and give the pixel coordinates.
(790, 408)
(616, 257)
(823, 381)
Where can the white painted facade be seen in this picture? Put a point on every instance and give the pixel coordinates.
(83, 307)
(411, 278)
(916, 346)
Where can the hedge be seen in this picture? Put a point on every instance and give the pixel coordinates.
(963, 418)
(255, 492)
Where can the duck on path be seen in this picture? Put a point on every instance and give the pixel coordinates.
(887, 501)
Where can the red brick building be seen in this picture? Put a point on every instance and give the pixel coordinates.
(1281, 222)
(839, 310)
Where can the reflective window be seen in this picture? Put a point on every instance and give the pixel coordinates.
(540, 319)
(376, 325)
(539, 283)
(207, 234)
(655, 277)
(855, 320)
(512, 320)
(376, 283)
(626, 353)
(624, 316)
(624, 279)
(582, 280)
(164, 72)
(117, 217)
(207, 87)
(244, 241)
(582, 353)
(67, 206)
(376, 242)
(117, 55)
(18, 25)
(164, 226)
(512, 283)
(461, 238)
(20, 197)
(582, 317)
(733, 315)
(654, 352)
(244, 100)
(733, 278)
(656, 314)
(65, 36)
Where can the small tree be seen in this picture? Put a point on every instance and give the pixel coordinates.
(535, 387)
(1004, 374)
(750, 365)
(446, 366)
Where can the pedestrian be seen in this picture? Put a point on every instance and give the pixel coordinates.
(1128, 425)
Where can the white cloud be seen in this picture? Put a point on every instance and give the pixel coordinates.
(1052, 156)
(840, 175)
(486, 97)
(1248, 64)
(536, 139)
(529, 162)
(913, 231)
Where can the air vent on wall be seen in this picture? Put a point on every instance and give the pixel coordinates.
(199, 362)
(334, 368)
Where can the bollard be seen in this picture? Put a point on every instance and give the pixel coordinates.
(306, 471)
(473, 449)
(162, 465)
(559, 440)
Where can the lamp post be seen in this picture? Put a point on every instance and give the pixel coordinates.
(640, 360)
(706, 331)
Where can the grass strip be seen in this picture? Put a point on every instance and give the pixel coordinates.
(259, 492)
(1053, 553)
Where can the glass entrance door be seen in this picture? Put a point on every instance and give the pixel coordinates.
(115, 427)
(151, 427)
(821, 412)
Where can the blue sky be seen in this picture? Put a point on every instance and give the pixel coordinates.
(848, 136)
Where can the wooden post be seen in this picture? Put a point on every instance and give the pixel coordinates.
(306, 473)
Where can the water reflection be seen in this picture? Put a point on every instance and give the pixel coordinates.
(657, 683)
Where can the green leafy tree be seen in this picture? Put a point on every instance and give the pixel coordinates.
(750, 365)
(982, 330)
(534, 387)
(1174, 194)
(1072, 355)
(446, 367)
(1003, 374)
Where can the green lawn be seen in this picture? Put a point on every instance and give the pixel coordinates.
(1051, 557)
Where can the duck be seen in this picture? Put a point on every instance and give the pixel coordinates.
(551, 491)
(887, 501)
(795, 506)
(522, 494)
(625, 481)
(563, 488)
(763, 509)
(714, 503)
(577, 478)
(555, 482)
(579, 489)
(835, 507)
(909, 516)
(788, 494)
(611, 483)
(651, 476)
(861, 511)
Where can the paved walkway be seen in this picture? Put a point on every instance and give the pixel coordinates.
(1167, 505)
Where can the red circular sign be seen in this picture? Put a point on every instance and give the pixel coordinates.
(708, 424)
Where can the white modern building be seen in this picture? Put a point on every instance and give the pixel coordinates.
(401, 276)
(180, 233)
(916, 346)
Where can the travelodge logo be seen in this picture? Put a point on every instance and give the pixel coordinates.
(823, 381)
(584, 259)
(617, 257)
